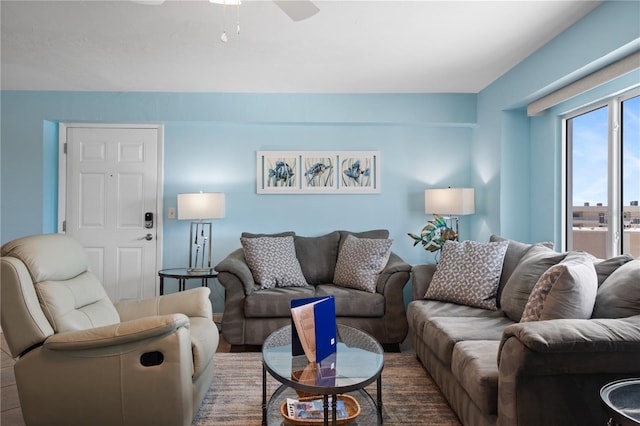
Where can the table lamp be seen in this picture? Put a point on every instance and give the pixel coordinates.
(199, 207)
(450, 203)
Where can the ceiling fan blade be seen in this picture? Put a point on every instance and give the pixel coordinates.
(297, 9)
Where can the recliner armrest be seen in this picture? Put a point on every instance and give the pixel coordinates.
(192, 303)
(117, 334)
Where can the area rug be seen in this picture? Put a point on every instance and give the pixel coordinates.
(409, 395)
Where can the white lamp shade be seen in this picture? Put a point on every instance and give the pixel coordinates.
(208, 205)
(449, 201)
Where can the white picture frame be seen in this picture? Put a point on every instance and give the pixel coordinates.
(318, 172)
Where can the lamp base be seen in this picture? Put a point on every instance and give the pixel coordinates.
(200, 247)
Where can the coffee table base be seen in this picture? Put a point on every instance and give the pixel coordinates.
(370, 411)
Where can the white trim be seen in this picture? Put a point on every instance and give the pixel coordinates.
(614, 171)
(597, 78)
(62, 179)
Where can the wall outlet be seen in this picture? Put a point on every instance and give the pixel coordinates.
(172, 213)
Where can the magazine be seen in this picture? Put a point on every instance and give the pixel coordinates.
(313, 409)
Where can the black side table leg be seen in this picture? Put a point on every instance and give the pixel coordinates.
(264, 396)
(379, 397)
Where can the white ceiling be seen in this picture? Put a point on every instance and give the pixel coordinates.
(347, 47)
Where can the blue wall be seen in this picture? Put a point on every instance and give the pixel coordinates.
(210, 144)
(426, 140)
(523, 188)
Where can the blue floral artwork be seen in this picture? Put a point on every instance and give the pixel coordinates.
(356, 172)
(319, 172)
(281, 172)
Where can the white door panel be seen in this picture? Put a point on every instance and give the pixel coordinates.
(111, 182)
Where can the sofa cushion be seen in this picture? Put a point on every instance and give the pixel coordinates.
(475, 367)
(606, 267)
(353, 303)
(565, 290)
(420, 312)
(468, 273)
(619, 295)
(274, 302)
(515, 251)
(273, 261)
(443, 333)
(531, 267)
(318, 256)
(360, 261)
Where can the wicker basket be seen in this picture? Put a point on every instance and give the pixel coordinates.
(350, 404)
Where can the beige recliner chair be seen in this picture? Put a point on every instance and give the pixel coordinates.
(81, 360)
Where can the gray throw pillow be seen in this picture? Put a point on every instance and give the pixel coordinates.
(515, 251)
(360, 261)
(273, 261)
(529, 270)
(619, 295)
(566, 290)
(605, 267)
(468, 273)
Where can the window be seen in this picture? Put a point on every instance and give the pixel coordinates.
(603, 177)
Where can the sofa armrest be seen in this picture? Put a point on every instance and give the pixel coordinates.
(192, 303)
(393, 266)
(117, 334)
(235, 264)
(550, 372)
(573, 335)
(421, 276)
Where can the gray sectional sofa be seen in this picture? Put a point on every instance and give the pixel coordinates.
(495, 368)
(254, 309)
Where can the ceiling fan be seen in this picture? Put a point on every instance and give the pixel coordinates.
(297, 10)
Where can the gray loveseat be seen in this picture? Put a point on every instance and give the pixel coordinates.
(495, 369)
(252, 312)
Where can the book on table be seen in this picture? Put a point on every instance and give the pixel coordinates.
(313, 331)
(314, 409)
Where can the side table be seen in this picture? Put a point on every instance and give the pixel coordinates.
(621, 400)
(182, 275)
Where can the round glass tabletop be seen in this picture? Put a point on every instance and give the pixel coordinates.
(359, 361)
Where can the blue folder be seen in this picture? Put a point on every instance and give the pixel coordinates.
(325, 326)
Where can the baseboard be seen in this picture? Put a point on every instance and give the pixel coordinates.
(217, 318)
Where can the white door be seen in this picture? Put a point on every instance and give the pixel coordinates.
(111, 189)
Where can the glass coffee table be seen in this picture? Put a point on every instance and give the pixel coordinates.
(359, 362)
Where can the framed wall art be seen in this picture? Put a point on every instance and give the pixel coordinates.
(318, 172)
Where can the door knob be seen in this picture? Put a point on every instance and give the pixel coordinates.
(147, 237)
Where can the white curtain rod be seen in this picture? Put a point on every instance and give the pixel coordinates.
(608, 73)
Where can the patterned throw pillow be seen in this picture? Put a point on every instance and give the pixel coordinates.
(360, 260)
(273, 261)
(566, 290)
(468, 273)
